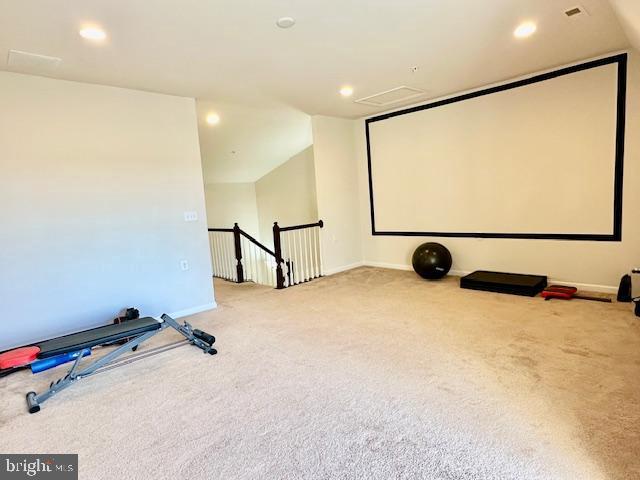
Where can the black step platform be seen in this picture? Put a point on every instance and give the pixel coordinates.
(96, 336)
(512, 283)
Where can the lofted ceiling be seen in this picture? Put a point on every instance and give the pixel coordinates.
(232, 57)
(629, 13)
(249, 141)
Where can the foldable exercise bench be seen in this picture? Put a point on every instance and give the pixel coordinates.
(133, 332)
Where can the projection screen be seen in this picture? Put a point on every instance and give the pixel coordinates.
(536, 158)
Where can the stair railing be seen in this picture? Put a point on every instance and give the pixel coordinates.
(224, 254)
(239, 257)
(257, 260)
(297, 249)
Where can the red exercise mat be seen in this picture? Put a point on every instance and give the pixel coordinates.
(567, 293)
(18, 357)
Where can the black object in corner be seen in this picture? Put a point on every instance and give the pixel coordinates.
(624, 291)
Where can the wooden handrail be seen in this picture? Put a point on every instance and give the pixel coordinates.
(320, 224)
(256, 242)
(245, 235)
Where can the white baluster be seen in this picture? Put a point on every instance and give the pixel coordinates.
(312, 252)
(216, 240)
(256, 263)
(303, 253)
(256, 273)
(252, 261)
(225, 259)
(316, 240)
(296, 256)
(303, 267)
(245, 261)
(230, 255)
(213, 253)
(261, 262)
(218, 255)
(307, 243)
(320, 251)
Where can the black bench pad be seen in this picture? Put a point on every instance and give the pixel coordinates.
(96, 336)
(512, 283)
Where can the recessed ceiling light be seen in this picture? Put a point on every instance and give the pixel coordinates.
(93, 33)
(346, 91)
(213, 118)
(286, 22)
(525, 29)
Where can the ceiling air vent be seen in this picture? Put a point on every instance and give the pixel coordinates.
(32, 62)
(389, 97)
(575, 11)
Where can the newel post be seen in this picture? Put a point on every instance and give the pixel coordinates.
(238, 247)
(277, 247)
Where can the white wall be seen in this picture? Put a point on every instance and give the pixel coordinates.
(228, 203)
(337, 191)
(599, 264)
(94, 182)
(287, 195)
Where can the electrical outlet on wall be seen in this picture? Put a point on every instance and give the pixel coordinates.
(190, 216)
(184, 265)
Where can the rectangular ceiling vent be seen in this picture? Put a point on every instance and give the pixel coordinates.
(32, 62)
(389, 97)
(575, 11)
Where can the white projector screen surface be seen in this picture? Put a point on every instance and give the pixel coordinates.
(538, 159)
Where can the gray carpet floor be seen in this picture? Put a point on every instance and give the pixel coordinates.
(367, 374)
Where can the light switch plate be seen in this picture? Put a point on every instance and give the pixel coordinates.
(190, 216)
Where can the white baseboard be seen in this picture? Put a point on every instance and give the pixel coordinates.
(393, 266)
(344, 268)
(399, 266)
(194, 310)
(460, 273)
(589, 287)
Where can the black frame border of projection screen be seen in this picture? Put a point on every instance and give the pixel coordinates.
(615, 236)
